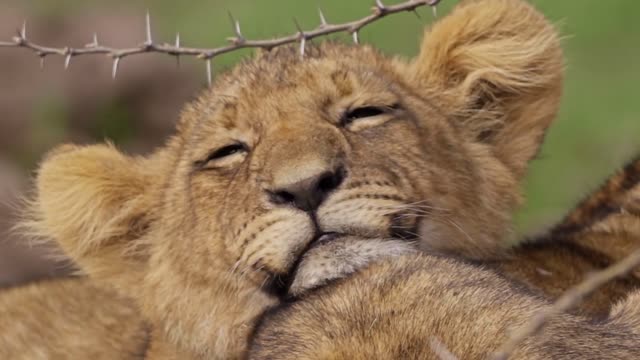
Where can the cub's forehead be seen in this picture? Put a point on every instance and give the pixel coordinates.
(280, 84)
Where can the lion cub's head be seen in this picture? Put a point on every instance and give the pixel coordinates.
(285, 151)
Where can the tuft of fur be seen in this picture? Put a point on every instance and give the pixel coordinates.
(92, 200)
(499, 65)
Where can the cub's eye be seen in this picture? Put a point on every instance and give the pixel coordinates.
(363, 112)
(366, 112)
(226, 151)
(222, 153)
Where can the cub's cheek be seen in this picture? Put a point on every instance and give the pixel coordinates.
(341, 257)
(358, 216)
(276, 248)
(288, 240)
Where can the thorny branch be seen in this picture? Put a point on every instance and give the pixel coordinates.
(238, 41)
(568, 300)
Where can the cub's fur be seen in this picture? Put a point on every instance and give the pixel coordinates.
(212, 230)
(602, 229)
(413, 308)
(69, 319)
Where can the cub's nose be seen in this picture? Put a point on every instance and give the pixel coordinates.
(307, 194)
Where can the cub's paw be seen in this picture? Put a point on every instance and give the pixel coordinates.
(336, 256)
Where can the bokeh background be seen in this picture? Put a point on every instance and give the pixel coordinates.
(597, 131)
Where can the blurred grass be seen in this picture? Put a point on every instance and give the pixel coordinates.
(599, 124)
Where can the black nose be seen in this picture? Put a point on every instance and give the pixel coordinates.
(309, 193)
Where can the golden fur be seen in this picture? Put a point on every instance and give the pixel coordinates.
(413, 308)
(212, 230)
(69, 319)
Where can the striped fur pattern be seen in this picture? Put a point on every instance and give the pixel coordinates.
(602, 229)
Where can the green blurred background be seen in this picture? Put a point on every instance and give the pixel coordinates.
(597, 131)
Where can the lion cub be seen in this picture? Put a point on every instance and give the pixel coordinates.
(283, 154)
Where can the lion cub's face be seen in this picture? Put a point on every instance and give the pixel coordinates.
(285, 151)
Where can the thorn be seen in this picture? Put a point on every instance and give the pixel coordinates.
(302, 36)
(434, 6)
(380, 6)
(298, 27)
(303, 44)
(177, 46)
(209, 72)
(42, 56)
(114, 69)
(94, 41)
(23, 30)
(67, 59)
(236, 28)
(323, 20)
(356, 38)
(149, 40)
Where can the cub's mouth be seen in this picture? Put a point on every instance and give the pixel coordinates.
(332, 256)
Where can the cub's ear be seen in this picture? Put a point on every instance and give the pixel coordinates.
(95, 202)
(496, 67)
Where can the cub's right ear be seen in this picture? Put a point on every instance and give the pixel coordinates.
(497, 68)
(95, 202)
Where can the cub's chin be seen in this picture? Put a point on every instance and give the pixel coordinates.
(334, 257)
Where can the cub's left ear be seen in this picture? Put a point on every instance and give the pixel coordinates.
(496, 67)
(97, 203)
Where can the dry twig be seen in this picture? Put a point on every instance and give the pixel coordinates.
(568, 300)
(238, 41)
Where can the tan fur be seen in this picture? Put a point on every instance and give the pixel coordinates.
(203, 244)
(399, 309)
(602, 229)
(69, 319)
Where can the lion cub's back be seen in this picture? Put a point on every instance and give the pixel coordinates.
(397, 310)
(69, 319)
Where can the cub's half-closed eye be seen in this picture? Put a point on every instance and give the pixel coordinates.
(222, 156)
(368, 116)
